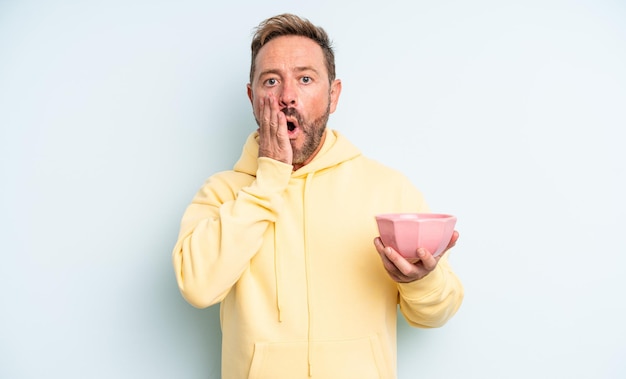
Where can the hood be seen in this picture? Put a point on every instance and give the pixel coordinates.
(335, 150)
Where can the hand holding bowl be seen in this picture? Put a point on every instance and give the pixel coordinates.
(406, 232)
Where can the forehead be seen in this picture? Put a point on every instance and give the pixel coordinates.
(286, 53)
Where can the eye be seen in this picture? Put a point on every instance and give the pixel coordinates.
(306, 79)
(271, 82)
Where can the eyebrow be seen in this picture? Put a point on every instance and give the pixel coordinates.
(297, 69)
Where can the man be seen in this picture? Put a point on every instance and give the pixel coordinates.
(284, 240)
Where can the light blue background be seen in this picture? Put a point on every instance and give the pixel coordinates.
(510, 115)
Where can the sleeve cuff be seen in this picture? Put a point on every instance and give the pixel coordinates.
(273, 174)
(421, 288)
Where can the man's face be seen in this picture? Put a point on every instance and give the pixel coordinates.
(294, 70)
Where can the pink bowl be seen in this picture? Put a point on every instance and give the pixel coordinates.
(406, 232)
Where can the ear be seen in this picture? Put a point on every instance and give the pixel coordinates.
(335, 91)
(250, 95)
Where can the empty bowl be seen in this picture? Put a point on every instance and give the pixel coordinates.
(406, 232)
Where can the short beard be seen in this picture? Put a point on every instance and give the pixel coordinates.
(313, 131)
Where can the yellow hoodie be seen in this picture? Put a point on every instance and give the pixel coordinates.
(290, 257)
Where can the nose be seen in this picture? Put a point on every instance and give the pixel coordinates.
(288, 95)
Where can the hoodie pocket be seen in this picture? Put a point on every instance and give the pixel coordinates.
(360, 358)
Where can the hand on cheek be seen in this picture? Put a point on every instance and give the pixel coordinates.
(273, 135)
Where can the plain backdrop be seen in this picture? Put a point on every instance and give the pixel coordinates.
(509, 114)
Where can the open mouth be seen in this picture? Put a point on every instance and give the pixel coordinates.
(292, 119)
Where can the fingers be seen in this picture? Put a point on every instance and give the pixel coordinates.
(427, 260)
(387, 257)
(273, 119)
(451, 244)
(269, 117)
(402, 270)
(273, 135)
(455, 237)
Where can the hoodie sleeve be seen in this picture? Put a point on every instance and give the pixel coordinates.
(211, 253)
(433, 300)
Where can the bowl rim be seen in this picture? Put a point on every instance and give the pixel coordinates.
(415, 216)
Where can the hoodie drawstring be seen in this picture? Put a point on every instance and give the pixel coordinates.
(307, 184)
(278, 276)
